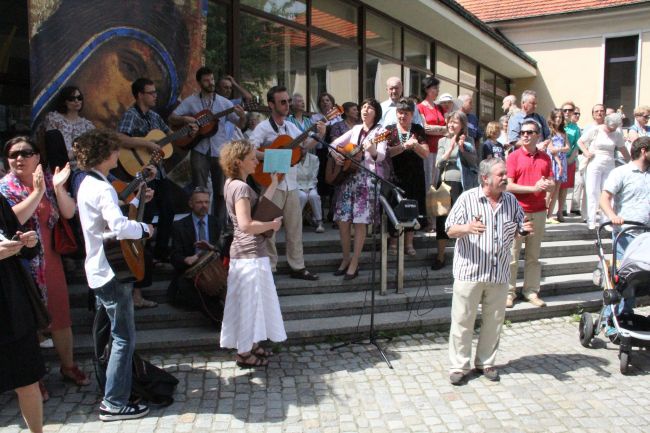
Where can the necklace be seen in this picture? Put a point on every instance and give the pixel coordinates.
(403, 136)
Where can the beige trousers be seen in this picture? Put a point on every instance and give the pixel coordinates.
(292, 222)
(532, 268)
(464, 307)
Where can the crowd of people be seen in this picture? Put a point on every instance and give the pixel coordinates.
(506, 182)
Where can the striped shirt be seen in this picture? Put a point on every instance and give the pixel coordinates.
(485, 257)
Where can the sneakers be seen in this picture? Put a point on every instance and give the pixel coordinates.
(320, 228)
(490, 373)
(536, 300)
(456, 378)
(510, 301)
(552, 221)
(130, 411)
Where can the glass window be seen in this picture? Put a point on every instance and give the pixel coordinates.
(377, 72)
(417, 51)
(467, 72)
(447, 87)
(383, 36)
(216, 38)
(271, 54)
(486, 110)
(487, 81)
(620, 74)
(502, 87)
(335, 17)
(334, 69)
(413, 82)
(294, 10)
(446, 63)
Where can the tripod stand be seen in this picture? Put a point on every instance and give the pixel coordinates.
(371, 338)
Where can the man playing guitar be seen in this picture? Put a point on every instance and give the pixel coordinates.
(286, 194)
(204, 157)
(137, 122)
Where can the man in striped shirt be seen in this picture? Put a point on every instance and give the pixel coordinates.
(485, 220)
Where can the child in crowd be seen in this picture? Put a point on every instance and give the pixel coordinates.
(491, 147)
(557, 150)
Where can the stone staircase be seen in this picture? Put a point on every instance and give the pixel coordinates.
(333, 309)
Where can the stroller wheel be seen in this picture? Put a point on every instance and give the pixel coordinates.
(624, 359)
(586, 329)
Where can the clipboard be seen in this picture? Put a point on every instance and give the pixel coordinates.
(265, 210)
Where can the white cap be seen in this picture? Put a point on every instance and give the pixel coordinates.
(445, 97)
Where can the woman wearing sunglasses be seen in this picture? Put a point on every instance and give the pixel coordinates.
(39, 199)
(66, 119)
(640, 127)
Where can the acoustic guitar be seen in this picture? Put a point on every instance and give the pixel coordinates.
(134, 160)
(335, 174)
(287, 142)
(208, 123)
(126, 256)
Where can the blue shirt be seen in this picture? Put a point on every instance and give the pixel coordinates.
(212, 145)
(389, 114)
(195, 220)
(473, 127)
(514, 125)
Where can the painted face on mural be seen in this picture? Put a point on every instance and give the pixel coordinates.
(112, 70)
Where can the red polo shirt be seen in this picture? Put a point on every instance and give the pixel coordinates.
(526, 169)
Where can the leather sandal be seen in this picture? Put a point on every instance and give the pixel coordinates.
(245, 361)
(260, 351)
(75, 375)
(303, 274)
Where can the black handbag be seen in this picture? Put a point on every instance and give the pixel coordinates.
(41, 315)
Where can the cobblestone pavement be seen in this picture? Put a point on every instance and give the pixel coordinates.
(549, 383)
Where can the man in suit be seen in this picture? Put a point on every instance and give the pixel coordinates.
(193, 236)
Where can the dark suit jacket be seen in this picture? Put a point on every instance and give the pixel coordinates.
(180, 290)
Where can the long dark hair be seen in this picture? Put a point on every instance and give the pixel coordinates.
(551, 121)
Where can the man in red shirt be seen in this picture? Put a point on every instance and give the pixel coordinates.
(530, 175)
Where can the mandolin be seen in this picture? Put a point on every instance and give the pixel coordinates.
(208, 123)
(287, 142)
(335, 174)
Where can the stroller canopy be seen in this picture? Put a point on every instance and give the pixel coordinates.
(635, 266)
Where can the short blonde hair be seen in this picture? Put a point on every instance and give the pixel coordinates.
(231, 153)
(641, 110)
(493, 130)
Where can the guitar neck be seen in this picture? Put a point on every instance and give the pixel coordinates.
(302, 137)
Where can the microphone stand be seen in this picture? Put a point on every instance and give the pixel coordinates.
(371, 339)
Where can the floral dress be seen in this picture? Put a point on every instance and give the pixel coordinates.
(557, 141)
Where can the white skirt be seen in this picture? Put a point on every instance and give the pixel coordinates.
(252, 311)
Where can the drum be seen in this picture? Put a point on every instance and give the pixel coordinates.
(209, 275)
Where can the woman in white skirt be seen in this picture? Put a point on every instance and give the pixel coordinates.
(252, 312)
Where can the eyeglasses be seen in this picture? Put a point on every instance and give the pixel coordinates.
(646, 116)
(528, 132)
(567, 110)
(152, 92)
(24, 153)
(284, 101)
(75, 98)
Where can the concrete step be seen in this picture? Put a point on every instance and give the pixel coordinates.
(342, 327)
(417, 298)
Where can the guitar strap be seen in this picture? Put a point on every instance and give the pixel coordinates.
(274, 125)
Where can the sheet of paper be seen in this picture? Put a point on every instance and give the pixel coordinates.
(277, 160)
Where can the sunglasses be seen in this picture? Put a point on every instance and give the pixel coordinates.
(75, 98)
(567, 110)
(24, 153)
(285, 101)
(576, 113)
(528, 132)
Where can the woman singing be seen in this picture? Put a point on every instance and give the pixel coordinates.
(355, 196)
(252, 311)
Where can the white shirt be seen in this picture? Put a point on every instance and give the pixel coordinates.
(98, 209)
(263, 135)
(389, 114)
(307, 172)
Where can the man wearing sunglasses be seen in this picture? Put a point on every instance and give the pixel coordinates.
(286, 195)
(530, 176)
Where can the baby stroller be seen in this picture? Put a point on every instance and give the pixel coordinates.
(622, 284)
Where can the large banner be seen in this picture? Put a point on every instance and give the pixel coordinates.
(101, 46)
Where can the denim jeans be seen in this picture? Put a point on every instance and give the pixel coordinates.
(118, 302)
